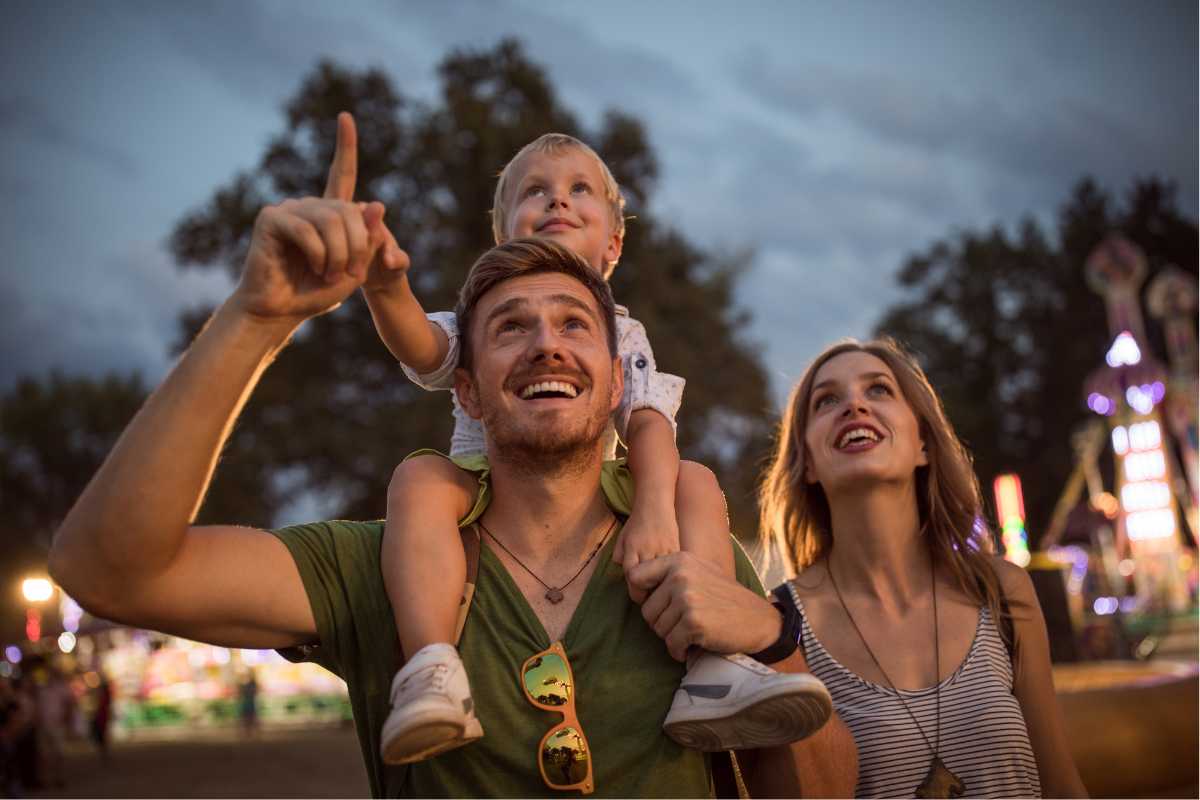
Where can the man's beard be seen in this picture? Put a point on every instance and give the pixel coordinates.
(548, 450)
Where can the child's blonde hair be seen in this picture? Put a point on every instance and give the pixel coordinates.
(554, 143)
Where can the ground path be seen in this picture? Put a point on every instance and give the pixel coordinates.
(316, 762)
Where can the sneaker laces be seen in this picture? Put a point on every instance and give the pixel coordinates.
(430, 677)
(749, 663)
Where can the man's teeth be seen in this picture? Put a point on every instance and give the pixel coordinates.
(558, 387)
(855, 434)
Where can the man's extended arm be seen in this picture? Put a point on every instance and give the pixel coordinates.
(127, 550)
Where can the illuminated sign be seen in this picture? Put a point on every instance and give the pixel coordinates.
(1145, 495)
(1010, 509)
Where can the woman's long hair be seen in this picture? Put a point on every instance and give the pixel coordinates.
(795, 519)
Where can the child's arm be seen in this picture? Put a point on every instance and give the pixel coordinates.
(687, 514)
(654, 462)
(412, 338)
(645, 421)
(677, 505)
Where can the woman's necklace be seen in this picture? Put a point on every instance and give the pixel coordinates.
(553, 593)
(939, 781)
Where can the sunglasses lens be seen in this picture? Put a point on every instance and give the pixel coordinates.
(565, 758)
(547, 681)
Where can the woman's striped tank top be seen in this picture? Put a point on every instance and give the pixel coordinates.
(983, 739)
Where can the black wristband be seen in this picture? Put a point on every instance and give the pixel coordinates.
(789, 634)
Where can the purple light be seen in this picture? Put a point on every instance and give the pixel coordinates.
(1105, 605)
(1156, 391)
(1100, 404)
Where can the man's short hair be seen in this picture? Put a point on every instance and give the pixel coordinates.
(518, 257)
(554, 143)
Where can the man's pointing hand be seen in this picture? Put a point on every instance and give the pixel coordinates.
(306, 256)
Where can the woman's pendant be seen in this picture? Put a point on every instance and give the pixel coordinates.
(554, 595)
(940, 782)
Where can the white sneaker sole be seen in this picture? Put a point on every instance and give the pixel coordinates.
(779, 716)
(426, 736)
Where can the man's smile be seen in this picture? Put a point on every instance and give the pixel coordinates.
(544, 389)
(544, 386)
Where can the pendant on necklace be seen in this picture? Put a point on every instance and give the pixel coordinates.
(940, 782)
(554, 595)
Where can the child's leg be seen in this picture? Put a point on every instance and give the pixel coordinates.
(424, 568)
(424, 571)
(703, 516)
(732, 702)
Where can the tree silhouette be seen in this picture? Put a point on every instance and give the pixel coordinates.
(1007, 328)
(54, 433)
(334, 414)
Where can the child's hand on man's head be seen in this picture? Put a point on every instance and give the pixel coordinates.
(646, 536)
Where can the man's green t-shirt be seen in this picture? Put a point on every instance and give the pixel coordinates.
(625, 677)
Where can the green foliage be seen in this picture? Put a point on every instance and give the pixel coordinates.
(53, 437)
(1008, 330)
(54, 434)
(334, 414)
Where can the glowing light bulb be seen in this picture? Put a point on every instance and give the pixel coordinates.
(37, 590)
(1120, 440)
(1124, 350)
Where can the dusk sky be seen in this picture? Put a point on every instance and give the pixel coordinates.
(832, 139)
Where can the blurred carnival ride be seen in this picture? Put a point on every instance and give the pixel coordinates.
(1120, 565)
(1116, 569)
(162, 685)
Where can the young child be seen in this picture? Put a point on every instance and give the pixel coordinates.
(557, 187)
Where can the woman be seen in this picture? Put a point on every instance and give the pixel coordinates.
(935, 651)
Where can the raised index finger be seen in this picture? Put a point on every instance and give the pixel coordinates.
(343, 172)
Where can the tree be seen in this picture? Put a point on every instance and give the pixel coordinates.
(53, 436)
(334, 414)
(1007, 328)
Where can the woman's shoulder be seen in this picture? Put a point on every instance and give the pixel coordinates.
(810, 584)
(1015, 582)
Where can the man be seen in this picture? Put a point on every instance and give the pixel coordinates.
(128, 552)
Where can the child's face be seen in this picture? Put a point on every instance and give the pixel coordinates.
(560, 196)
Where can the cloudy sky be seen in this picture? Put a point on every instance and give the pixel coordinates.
(833, 139)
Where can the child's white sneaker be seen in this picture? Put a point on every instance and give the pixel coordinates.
(432, 710)
(735, 703)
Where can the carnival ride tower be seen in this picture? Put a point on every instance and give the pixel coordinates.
(1129, 391)
(1172, 298)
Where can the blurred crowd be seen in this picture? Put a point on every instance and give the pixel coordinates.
(40, 709)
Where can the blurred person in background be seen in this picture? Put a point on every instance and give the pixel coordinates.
(102, 716)
(934, 649)
(248, 703)
(16, 716)
(54, 704)
(25, 741)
